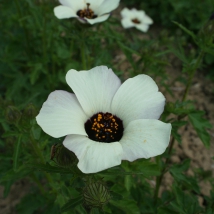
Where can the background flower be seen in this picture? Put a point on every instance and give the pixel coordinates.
(135, 18)
(91, 11)
(106, 122)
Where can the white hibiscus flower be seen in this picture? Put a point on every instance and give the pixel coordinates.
(135, 18)
(106, 122)
(91, 11)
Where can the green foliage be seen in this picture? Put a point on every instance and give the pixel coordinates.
(71, 204)
(201, 125)
(196, 12)
(37, 50)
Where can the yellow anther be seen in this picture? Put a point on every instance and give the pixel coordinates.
(103, 136)
(113, 120)
(96, 135)
(95, 120)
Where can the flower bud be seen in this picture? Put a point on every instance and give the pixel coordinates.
(96, 195)
(62, 156)
(30, 111)
(12, 114)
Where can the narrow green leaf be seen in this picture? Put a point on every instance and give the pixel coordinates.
(48, 168)
(71, 204)
(36, 131)
(7, 187)
(10, 133)
(200, 124)
(126, 205)
(185, 29)
(128, 182)
(128, 49)
(175, 126)
(11, 175)
(16, 153)
(146, 167)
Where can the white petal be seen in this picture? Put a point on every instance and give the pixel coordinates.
(94, 156)
(76, 5)
(107, 6)
(63, 12)
(98, 19)
(125, 12)
(127, 23)
(94, 88)
(61, 115)
(140, 14)
(147, 20)
(142, 27)
(135, 11)
(138, 98)
(145, 139)
(94, 4)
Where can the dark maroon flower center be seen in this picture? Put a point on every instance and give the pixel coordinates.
(86, 13)
(104, 127)
(136, 21)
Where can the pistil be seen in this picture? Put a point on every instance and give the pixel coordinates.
(86, 13)
(136, 21)
(104, 127)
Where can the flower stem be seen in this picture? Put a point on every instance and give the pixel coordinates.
(192, 74)
(163, 171)
(35, 179)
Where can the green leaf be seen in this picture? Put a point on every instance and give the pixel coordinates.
(124, 47)
(36, 70)
(10, 133)
(48, 168)
(71, 204)
(128, 182)
(175, 126)
(16, 153)
(146, 167)
(177, 171)
(7, 187)
(185, 29)
(36, 131)
(126, 205)
(200, 124)
(11, 175)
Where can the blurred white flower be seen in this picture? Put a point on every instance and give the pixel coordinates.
(106, 122)
(135, 18)
(91, 11)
